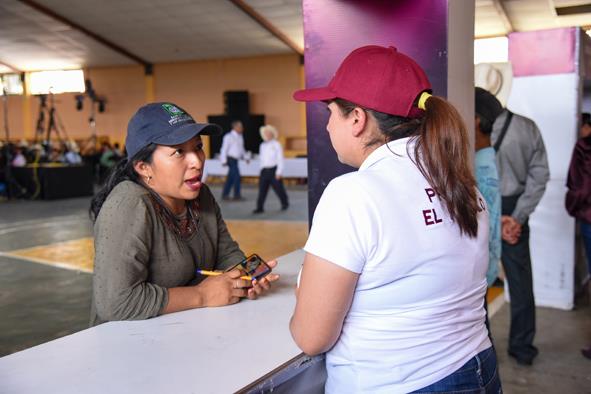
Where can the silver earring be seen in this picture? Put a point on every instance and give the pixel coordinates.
(149, 179)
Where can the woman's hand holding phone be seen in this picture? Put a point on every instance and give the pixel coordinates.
(229, 287)
(263, 285)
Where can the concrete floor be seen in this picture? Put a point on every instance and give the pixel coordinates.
(39, 303)
(559, 367)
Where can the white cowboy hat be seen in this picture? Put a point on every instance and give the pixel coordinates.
(496, 78)
(270, 128)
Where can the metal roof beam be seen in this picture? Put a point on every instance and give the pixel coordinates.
(261, 20)
(14, 69)
(498, 4)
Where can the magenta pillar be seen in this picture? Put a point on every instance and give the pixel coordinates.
(333, 28)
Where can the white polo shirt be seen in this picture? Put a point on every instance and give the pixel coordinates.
(271, 155)
(417, 313)
(232, 146)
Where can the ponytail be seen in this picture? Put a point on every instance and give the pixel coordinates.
(441, 154)
(123, 171)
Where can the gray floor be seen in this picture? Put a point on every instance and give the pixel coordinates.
(560, 367)
(242, 210)
(40, 303)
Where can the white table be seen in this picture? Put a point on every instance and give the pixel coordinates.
(292, 168)
(210, 350)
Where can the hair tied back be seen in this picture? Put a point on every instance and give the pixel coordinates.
(423, 100)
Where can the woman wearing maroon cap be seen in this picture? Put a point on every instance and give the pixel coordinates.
(401, 245)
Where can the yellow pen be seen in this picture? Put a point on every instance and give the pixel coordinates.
(215, 273)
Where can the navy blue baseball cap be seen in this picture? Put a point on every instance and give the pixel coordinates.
(163, 124)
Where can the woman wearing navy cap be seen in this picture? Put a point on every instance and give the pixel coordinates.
(401, 245)
(156, 224)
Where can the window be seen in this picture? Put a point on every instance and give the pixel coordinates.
(11, 84)
(44, 82)
(491, 50)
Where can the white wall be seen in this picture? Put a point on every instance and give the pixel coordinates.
(552, 102)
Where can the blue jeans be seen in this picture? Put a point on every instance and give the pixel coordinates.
(586, 234)
(233, 178)
(478, 376)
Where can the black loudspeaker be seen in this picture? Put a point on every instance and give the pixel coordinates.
(215, 141)
(236, 102)
(252, 137)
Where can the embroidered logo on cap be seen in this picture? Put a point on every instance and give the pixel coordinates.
(176, 114)
(172, 110)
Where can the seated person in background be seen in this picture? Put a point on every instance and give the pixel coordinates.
(271, 161)
(71, 156)
(56, 153)
(18, 158)
(394, 275)
(108, 160)
(156, 224)
(117, 151)
(108, 157)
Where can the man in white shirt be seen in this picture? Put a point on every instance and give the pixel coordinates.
(232, 151)
(271, 159)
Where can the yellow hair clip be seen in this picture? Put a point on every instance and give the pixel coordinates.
(423, 99)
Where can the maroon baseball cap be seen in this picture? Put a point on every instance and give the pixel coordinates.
(377, 78)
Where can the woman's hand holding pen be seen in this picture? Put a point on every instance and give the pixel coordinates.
(260, 287)
(223, 289)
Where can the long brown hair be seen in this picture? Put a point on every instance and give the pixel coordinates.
(441, 154)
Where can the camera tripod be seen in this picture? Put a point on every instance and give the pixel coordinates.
(54, 124)
(13, 188)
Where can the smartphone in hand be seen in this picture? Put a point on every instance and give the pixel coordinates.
(254, 266)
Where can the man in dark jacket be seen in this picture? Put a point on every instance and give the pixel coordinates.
(578, 197)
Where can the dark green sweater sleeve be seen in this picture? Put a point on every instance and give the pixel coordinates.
(123, 238)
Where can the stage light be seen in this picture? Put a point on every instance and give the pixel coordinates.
(79, 102)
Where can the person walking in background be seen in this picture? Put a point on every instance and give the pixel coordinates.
(233, 150)
(523, 170)
(271, 159)
(487, 108)
(578, 197)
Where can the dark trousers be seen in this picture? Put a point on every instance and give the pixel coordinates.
(517, 264)
(266, 179)
(233, 178)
